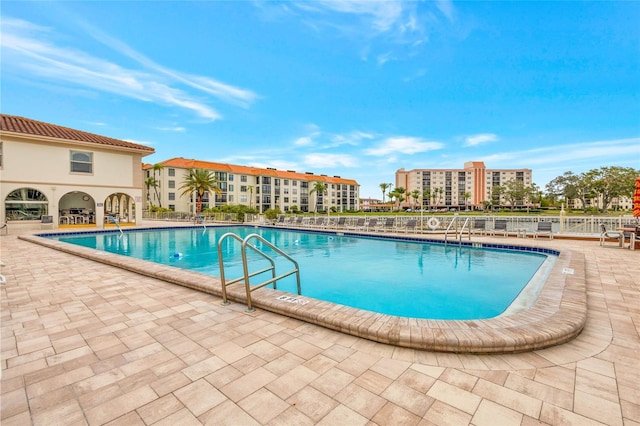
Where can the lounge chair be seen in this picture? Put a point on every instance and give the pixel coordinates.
(359, 225)
(388, 225)
(341, 223)
(320, 223)
(479, 227)
(500, 227)
(604, 235)
(410, 226)
(372, 225)
(544, 228)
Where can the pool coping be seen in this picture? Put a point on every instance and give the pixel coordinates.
(557, 316)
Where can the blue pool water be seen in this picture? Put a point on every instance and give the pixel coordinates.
(395, 277)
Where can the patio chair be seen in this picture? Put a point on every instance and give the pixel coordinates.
(5, 227)
(359, 225)
(544, 228)
(46, 222)
(373, 224)
(341, 223)
(410, 226)
(479, 227)
(605, 235)
(500, 227)
(320, 223)
(388, 224)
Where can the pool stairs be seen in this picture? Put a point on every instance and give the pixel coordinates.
(246, 274)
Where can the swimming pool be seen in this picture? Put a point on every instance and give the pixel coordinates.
(397, 277)
(558, 313)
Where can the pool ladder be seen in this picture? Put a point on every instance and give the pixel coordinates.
(457, 234)
(246, 274)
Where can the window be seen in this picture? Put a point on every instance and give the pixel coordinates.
(172, 207)
(230, 177)
(0, 154)
(230, 186)
(25, 204)
(172, 196)
(243, 199)
(81, 162)
(243, 178)
(172, 172)
(172, 184)
(243, 188)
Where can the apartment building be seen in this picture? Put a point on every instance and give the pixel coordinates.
(463, 188)
(260, 188)
(67, 176)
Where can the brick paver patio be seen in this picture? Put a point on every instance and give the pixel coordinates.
(88, 343)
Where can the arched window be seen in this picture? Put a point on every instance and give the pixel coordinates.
(26, 204)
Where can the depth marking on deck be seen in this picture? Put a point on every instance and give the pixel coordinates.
(294, 300)
(568, 271)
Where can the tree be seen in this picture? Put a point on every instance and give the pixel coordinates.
(149, 183)
(415, 194)
(384, 187)
(515, 192)
(611, 182)
(466, 196)
(426, 195)
(200, 181)
(398, 195)
(319, 188)
(157, 168)
(496, 193)
(435, 195)
(250, 187)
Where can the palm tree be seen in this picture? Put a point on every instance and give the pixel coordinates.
(466, 196)
(200, 181)
(157, 168)
(250, 187)
(415, 194)
(426, 195)
(150, 182)
(319, 188)
(384, 187)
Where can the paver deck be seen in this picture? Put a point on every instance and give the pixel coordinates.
(88, 343)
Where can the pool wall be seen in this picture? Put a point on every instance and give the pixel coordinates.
(557, 316)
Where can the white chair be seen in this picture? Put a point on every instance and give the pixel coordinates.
(617, 235)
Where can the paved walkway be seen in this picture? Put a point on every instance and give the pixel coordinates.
(87, 343)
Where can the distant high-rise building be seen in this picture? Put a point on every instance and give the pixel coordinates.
(464, 188)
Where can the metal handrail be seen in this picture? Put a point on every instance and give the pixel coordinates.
(454, 222)
(245, 267)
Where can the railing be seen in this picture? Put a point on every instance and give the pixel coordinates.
(245, 268)
(457, 232)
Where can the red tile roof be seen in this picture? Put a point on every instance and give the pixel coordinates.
(27, 126)
(186, 163)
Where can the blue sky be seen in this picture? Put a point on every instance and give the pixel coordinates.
(348, 88)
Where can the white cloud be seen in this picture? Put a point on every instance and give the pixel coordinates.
(321, 160)
(480, 139)
(352, 138)
(30, 48)
(178, 129)
(403, 145)
(303, 141)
